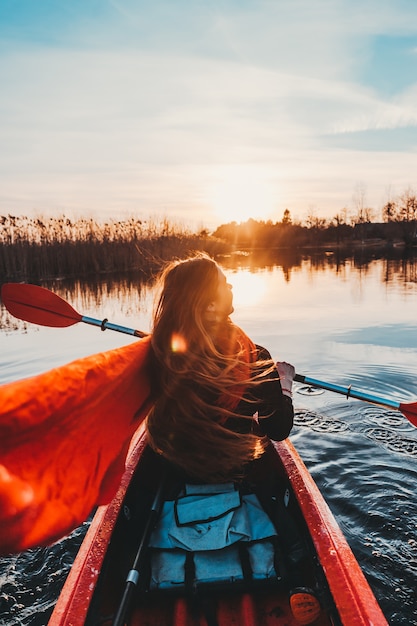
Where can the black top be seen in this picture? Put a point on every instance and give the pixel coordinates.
(274, 410)
(275, 413)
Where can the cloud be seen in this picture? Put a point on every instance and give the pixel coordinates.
(141, 106)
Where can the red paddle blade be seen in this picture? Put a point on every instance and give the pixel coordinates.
(38, 305)
(409, 409)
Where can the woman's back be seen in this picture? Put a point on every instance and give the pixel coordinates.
(209, 378)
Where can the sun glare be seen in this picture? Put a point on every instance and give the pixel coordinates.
(237, 193)
(178, 343)
(248, 289)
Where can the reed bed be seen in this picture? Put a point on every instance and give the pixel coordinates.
(33, 249)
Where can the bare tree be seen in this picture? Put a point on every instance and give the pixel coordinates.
(408, 206)
(363, 213)
(403, 210)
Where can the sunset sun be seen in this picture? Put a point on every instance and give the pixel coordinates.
(249, 289)
(237, 193)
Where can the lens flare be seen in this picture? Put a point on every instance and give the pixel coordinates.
(178, 343)
(258, 450)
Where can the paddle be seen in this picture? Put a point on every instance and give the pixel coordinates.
(133, 576)
(41, 306)
(409, 410)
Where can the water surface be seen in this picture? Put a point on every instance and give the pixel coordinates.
(348, 321)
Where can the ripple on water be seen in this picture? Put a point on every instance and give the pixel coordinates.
(32, 580)
(390, 419)
(395, 443)
(367, 474)
(390, 431)
(317, 422)
(393, 544)
(393, 431)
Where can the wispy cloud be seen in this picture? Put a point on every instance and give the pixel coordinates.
(145, 106)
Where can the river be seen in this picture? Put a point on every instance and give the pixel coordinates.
(350, 321)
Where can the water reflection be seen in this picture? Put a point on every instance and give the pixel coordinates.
(132, 291)
(113, 297)
(397, 265)
(326, 313)
(346, 319)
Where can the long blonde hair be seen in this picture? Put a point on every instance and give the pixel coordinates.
(197, 376)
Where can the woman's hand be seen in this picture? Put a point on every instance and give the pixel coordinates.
(286, 373)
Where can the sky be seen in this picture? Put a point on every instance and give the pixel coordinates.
(206, 111)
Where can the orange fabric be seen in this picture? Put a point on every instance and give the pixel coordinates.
(238, 343)
(64, 436)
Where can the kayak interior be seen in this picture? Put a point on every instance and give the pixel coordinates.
(241, 601)
(310, 552)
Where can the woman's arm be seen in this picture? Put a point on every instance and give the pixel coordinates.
(275, 407)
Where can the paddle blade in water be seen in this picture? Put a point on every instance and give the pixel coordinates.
(38, 305)
(410, 411)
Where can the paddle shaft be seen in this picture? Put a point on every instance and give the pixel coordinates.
(41, 306)
(134, 574)
(349, 392)
(106, 325)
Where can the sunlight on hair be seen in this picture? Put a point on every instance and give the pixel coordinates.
(258, 450)
(178, 343)
(249, 289)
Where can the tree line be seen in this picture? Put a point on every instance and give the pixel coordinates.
(399, 226)
(33, 249)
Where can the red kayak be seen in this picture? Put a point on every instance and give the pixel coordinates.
(112, 580)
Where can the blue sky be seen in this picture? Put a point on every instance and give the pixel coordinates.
(208, 111)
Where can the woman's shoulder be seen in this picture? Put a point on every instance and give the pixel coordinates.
(263, 353)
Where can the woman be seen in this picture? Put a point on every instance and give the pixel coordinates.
(210, 380)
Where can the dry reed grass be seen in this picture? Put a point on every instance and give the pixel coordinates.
(43, 248)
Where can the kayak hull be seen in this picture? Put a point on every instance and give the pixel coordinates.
(96, 581)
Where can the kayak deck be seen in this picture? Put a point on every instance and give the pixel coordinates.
(96, 583)
(230, 610)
